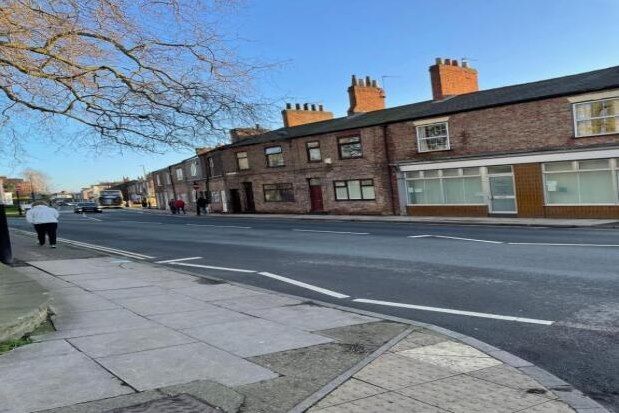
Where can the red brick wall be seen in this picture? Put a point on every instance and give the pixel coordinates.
(448, 210)
(294, 117)
(532, 126)
(365, 99)
(592, 211)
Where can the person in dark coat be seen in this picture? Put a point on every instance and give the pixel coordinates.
(201, 205)
(172, 205)
(180, 206)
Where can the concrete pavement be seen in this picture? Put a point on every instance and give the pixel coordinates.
(132, 336)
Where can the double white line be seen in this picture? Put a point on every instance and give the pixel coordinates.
(110, 250)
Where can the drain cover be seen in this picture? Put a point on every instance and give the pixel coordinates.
(182, 403)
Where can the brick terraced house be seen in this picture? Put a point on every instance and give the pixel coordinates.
(540, 149)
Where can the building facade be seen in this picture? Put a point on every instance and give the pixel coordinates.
(541, 149)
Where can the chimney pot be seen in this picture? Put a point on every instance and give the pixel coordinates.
(354, 80)
(321, 108)
(448, 61)
(288, 105)
(305, 106)
(313, 107)
(438, 61)
(465, 64)
(454, 62)
(297, 106)
(374, 83)
(368, 81)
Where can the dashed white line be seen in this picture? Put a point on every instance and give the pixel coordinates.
(177, 260)
(457, 312)
(304, 285)
(455, 238)
(331, 232)
(211, 267)
(217, 226)
(139, 222)
(562, 245)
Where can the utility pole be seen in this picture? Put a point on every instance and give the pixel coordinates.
(6, 254)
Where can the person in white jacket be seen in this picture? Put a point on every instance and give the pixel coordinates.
(45, 221)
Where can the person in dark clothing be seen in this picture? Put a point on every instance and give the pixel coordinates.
(201, 205)
(172, 205)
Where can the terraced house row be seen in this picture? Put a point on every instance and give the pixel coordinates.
(541, 149)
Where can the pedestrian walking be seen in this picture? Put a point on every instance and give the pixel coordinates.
(45, 221)
(201, 205)
(180, 206)
(172, 205)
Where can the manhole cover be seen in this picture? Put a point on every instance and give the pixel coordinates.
(182, 403)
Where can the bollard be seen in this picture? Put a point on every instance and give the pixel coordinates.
(6, 255)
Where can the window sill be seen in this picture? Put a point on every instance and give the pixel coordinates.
(434, 150)
(354, 157)
(449, 205)
(580, 205)
(595, 135)
(355, 200)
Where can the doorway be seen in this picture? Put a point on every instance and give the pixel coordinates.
(315, 192)
(235, 201)
(250, 206)
(502, 194)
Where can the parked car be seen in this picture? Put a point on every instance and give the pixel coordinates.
(25, 207)
(87, 207)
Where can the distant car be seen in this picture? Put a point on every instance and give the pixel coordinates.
(87, 207)
(25, 207)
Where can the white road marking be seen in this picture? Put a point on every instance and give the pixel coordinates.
(91, 218)
(457, 312)
(469, 239)
(304, 285)
(331, 232)
(563, 245)
(107, 249)
(139, 222)
(177, 260)
(420, 236)
(211, 267)
(217, 226)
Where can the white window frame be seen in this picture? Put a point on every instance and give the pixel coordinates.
(194, 168)
(158, 177)
(575, 120)
(347, 186)
(418, 128)
(238, 159)
(614, 170)
(179, 174)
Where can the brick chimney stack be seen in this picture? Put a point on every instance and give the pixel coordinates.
(365, 96)
(301, 115)
(449, 78)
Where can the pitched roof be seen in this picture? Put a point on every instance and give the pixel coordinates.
(544, 89)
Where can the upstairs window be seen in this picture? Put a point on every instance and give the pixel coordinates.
(242, 163)
(313, 151)
(433, 137)
(194, 168)
(211, 166)
(597, 118)
(350, 147)
(275, 157)
(179, 174)
(168, 180)
(158, 180)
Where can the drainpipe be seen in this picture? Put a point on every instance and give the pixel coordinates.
(394, 206)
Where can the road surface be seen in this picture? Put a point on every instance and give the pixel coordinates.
(548, 295)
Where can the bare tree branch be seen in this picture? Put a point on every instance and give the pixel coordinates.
(146, 74)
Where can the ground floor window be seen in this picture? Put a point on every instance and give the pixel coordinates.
(457, 186)
(215, 197)
(586, 182)
(355, 190)
(278, 193)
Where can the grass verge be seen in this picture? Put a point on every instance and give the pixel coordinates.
(11, 344)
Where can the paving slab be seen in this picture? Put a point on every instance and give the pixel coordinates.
(352, 389)
(311, 317)
(216, 292)
(394, 372)
(207, 316)
(275, 396)
(417, 339)
(117, 318)
(169, 366)
(256, 302)
(510, 377)
(389, 402)
(37, 350)
(161, 304)
(450, 355)
(122, 342)
(225, 398)
(465, 394)
(105, 405)
(64, 303)
(258, 337)
(72, 378)
(131, 292)
(112, 283)
(76, 266)
(550, 407)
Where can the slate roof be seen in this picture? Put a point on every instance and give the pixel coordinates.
(561, 86)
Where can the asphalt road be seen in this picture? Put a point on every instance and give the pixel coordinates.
(518, 288)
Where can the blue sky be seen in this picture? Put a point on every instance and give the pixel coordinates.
(320, 43)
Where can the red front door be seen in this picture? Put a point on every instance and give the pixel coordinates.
(316, 198)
